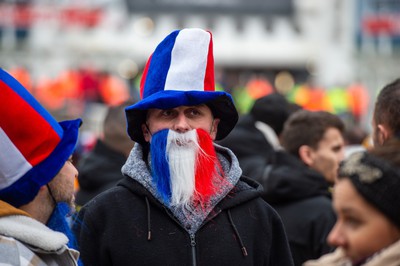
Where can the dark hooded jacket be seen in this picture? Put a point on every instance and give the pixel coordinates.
(98, 171)
(129, 225)
(302, 198)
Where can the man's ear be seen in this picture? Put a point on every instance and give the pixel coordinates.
(214, 128)
(146, 133)
(306, 154)
(383, 133)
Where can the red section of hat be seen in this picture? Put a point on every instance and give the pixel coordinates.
(209, 84)
(144, 76)
(27, 129)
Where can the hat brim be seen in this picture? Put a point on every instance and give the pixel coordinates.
(220, 103)
(26, 188)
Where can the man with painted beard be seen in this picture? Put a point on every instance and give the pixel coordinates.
(183, 200)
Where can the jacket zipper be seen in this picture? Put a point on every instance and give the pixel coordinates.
(192, 236)
(193, 244)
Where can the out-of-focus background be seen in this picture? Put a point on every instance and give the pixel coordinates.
(78, 57)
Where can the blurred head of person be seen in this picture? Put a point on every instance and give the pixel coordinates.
(385, 120)
(114, 129)
(316, 138)
(273, 110)
(366, 199)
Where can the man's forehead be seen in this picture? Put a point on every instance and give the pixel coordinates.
(182, 107)
(332, 137)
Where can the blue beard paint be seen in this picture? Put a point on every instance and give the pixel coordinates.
(160, 169)
(58, 222)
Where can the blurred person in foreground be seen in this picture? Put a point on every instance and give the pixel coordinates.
(298, 181)
(100, 169)
(366, 199)
(183, 200)
(36, 178)
(386, 115)
(256, 136)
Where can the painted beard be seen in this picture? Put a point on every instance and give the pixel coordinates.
(185, 167)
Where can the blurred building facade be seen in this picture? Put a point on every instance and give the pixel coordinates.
(328, 43)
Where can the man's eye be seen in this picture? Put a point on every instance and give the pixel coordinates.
(167, 113)
(194, 112)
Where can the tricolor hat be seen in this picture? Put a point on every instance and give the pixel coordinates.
(33, 145)
(180, 72)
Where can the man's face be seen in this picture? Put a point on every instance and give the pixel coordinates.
(187, 132)
(181, 119)
(62, 185)
(328, 154)
(361, 230)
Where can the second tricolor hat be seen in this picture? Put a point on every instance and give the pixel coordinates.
(33, 145)
(180, 72)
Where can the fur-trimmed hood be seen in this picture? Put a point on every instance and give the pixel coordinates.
(18, 224)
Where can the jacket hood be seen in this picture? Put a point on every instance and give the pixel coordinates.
(139, 169)
(289, 179)
(245, 190)
(233, 193)
(18, 224)
(7, 210)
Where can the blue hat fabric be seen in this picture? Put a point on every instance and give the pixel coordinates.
(180, 72)
(34, 146)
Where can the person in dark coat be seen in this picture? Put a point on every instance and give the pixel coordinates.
(100, 169)
(255, 138)
(297, 181)
(183, 200)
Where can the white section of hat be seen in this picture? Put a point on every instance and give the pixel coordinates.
(13, 164)
(188, 61)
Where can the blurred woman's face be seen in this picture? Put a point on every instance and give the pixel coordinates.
(360, 229)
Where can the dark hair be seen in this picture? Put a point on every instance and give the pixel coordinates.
(273, 110)
(308, 128)
(390, 152)
(387, 107)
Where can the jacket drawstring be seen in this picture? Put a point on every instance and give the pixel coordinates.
(148, 220)
(242, 247)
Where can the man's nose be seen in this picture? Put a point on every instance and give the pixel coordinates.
(181, 124)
